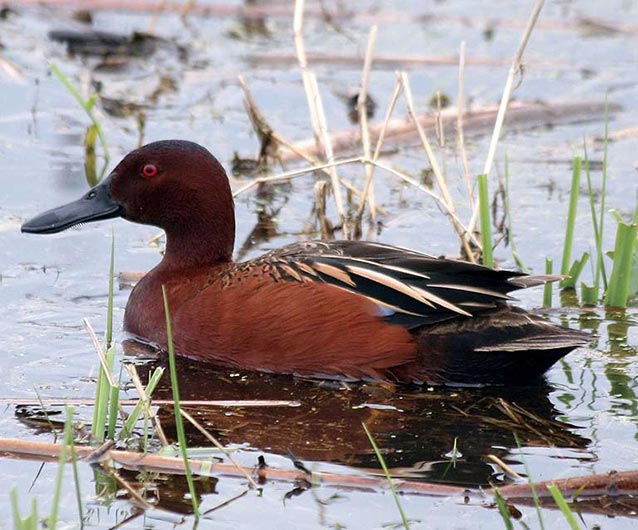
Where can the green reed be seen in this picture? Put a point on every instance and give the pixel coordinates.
(486, 224)
(179, 423)
(388, 476)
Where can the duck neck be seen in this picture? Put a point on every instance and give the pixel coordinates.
(199, 245)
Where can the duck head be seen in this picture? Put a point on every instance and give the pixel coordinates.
(173, 184)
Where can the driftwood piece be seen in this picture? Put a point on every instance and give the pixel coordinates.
(615, 484)
(520, 114)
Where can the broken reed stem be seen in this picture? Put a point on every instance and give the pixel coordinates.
(440, 179)
(263, 127)
(505, 98)
(146, 405)
(111, 472)
(99, 351)
(377, 149)
(294, 173)
(219, 446)
(317, 114)
(362, 107)
(418, 185)
(459, 125)
(440, 134)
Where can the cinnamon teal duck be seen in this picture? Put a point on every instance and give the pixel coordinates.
(333, 309)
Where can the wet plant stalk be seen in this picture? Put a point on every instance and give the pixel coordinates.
(571, 216)
(547, 288)
(87, 105)
(619, 281)
(564, 507)
(486, 227)
(503, 510)
(386, 472)
(57, 490)
(135, 413)
(179, 424)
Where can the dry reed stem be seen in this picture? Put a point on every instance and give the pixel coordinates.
(100, 352)
(219, 446)
(430, 193)
(505, 98)
(287, 175)
(362, 107)
(504, 467)
(260, 123)
(263, 127)
(152, 26)
(124, 483)
(256, 117)
(317, 114)
(459, 125)
(440, 134)
(146, 403)
(186, 8)
(381, 137)
(438, 175)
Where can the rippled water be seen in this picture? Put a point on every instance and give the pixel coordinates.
(581, 420)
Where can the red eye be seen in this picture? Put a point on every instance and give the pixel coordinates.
(149, 170)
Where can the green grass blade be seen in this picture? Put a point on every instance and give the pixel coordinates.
(574, 272)
(129, 425)
(603, 190)
(68, 435)
(502, 509)
(589, 294)
(18, 522)
(179, 424)
(386, 472)
(109, 309)
(114, 402)
(102, 394)
(87, 105)
(486, 223)
(564, 507)
(619, 281)
(103, 390)
(547, 288)
(57, 490)
(571, 217)
(532, 486)
(599, 269)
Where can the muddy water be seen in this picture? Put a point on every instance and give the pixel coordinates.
(581, 420)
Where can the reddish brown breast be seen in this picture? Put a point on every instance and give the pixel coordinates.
(257, 324)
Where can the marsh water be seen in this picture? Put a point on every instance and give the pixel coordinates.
(581, 419)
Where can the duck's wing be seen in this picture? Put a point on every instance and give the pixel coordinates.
(411, 289)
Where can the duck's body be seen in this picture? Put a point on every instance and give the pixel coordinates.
(329, 309)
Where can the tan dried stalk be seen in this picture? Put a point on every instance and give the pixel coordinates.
(459, 126)
(362, 107)
(317, 114)
(450, 207)
(146, 403)
(219, 446)
(505, 98)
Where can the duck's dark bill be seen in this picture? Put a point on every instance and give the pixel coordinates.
(94, 206)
